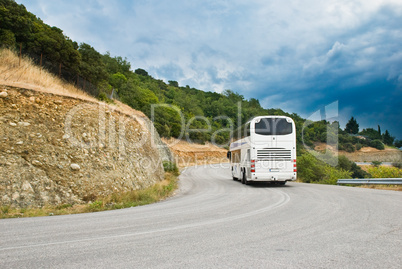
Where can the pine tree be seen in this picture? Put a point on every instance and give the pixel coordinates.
(387, 138)
(352, 127)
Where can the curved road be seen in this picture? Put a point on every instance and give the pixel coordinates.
(215, 222)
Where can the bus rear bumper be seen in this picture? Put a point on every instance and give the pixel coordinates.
(273, 177)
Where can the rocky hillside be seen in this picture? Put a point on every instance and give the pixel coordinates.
(62, 150)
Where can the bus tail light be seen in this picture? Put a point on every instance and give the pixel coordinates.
(252, 166)
(294, 166)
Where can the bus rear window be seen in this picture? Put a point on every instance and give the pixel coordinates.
(272, 126)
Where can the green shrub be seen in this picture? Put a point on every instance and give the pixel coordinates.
(385, 172)
(346, 138)
(344, 163)
(313, 170)
(309, 169)
(5, 209)
(348, 147)
(347, 165)
(358, 172)
(95, 206)
(103, 97)
(376, 163)
(323, 137)
(377, 144)
(332, 175)
(170, 167)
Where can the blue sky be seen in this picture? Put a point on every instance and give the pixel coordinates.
(295, 55)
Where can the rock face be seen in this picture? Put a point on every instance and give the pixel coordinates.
(164, 151)
(58, 150)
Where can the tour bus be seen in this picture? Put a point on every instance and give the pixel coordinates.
(265, 150)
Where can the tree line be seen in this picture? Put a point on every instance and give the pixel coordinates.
(370, 136)
(205, 115)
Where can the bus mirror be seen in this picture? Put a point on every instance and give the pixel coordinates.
(229, 155)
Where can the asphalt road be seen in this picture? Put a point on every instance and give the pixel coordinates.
(215, 222)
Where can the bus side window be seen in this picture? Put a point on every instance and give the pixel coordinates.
(236, 156)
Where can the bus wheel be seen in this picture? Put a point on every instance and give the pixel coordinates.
(246, 181)
(243, 179)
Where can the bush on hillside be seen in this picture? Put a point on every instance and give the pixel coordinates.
(313, 170)
(170, 167)
(309, 169)
(376, 163)
(348, 147)
(332, 175)
(347, 165)
(377, 144)
(103, 97)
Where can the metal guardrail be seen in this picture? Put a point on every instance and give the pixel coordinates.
(374, 181)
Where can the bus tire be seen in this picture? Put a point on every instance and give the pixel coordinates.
(243, 178)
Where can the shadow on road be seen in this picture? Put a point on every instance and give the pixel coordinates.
(267, 185)
(257, 184)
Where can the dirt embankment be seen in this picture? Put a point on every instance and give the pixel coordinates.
(62, 150)
(190, 154)
(367, 154)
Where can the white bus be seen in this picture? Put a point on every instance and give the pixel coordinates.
(265, 150)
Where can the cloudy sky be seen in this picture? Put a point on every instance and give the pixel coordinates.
(295, 55)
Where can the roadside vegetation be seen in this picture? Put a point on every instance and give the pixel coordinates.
(327, 169)
(385, 172)
(378, 171)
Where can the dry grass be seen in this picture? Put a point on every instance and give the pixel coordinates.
(126, 109)
(28, 75)
(383, 187)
